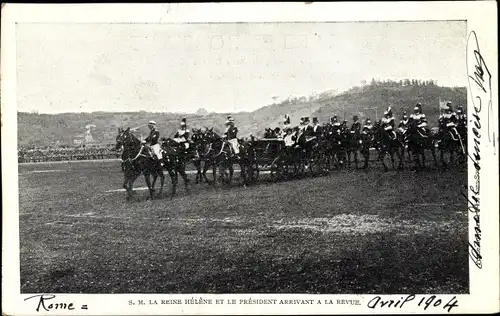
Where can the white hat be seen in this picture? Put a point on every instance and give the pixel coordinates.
(152, 122)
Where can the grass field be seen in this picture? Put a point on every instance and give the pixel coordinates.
(349, 232)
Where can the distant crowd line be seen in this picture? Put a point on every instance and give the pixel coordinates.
(46, 154)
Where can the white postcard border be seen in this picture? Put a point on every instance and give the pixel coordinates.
(481, 18)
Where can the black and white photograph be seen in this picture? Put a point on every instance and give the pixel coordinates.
(252, 157)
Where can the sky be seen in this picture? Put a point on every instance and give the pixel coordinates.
(228, 67)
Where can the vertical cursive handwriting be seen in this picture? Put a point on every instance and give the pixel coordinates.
(479, 77)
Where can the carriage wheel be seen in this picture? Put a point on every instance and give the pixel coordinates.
(277, 170)
(252, 172)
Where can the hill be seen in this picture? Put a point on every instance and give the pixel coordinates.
(372, 100)
(368, 100)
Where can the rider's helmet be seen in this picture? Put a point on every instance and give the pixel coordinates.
(405, 116)
(151, 124)
(183, 122)
(418, 108)
(315, 120)
(448, 107)
(230, 120)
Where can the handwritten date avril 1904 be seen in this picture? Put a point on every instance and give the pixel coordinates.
(426, 302)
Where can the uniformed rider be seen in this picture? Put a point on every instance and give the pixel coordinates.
(316, 128)
(461, 116)
(368, 127)
(420, 118)
(231, 135)
(182, 135)
(449, 120)
(388, 123)
(356, 125)
(403, 124)
(152, 140)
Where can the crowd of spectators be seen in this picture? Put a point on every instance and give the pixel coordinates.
(66, 153)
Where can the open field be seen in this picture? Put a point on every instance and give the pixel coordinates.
(349, 232)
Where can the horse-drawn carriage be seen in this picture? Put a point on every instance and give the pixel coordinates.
(271, 156)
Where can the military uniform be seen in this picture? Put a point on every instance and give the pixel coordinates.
(182, 137)
(152, 140)
(367, 128)
(420, 117)
(356, 127)
(403, 124)
(449, 121)
(231, 135)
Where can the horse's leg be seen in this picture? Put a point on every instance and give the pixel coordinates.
(182, 172)
(381, 156)
(197, 165)
(356, 157)
(126, 180)
(131, 181)
(433, 152)
(162, 181)
(391, 153)
(173, 180)
(147, 177)
(231, 171)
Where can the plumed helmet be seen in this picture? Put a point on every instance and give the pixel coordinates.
(152, 122)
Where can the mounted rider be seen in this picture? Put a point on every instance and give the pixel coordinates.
(152, 141)
(449, 121)
(421, 119)
(356, 125)
(335, 124)
(368, 127)
(461, 116)
(403, 124)
(182, 135)
(388, 123)
(316, 128)
(231, 135)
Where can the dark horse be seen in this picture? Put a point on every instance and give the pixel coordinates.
(201, 154)
(137, 160)
(220, 154)
(174, 161)
(387, 145)
(450, 142)
(418, 142)
(351, 144)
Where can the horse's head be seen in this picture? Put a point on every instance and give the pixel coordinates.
(211, 135)
(121, 137)
(125, 139)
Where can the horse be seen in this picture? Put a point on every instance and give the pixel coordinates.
(221, 155)
(365, 141)
(201, 151)
(418, 143)
(351, 145)
(137, 160)
(387, 145)
(174, 161)
(335, 150)
(451, 143)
